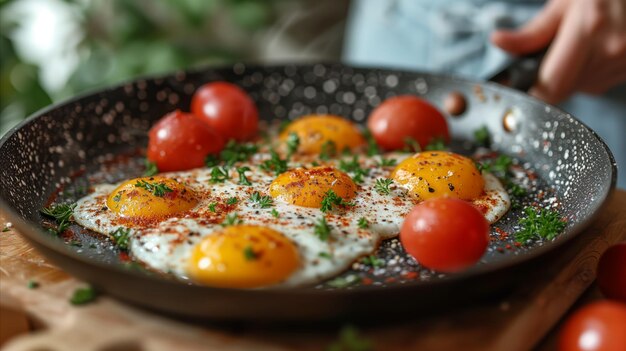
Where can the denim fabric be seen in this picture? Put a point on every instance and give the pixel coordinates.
(451, 36)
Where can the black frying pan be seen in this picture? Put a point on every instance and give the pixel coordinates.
(69, 144)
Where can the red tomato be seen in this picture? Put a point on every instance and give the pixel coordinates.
(444, 234)
(612, 272)
(599, 326)
(180, 141)
(402, 117)
(227, 109)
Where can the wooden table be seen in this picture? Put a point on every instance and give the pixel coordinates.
(33, 319)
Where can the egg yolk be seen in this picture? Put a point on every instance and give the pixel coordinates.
(243, 256)
(439, 174)
(319, 132)
(307, 187)
(151, 198)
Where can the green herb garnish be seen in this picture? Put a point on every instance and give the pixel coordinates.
(212, 207)
(482, 137)
(363, 223)
(274, 164)
(372, 147)
(231, 201)
(344, 282)
(436, 144)
(120, 235)
(249, 253)
(354, 167)
(329, 150)
(234, 152)
(151, 168)
(6, 229)
(387, 162)
(382, 186)
(539, 224)
(32, 284)
(275, 213)
(263, 201)
(62, 215)
(332, 199)
(211, 161)
(117, 197)
(293, 142)
(83, 296)
(322, 229)
(325, 255)
(373, 261)
(157, 189)
(218, 175)
(231, 219)
(411, 145)
(242, 175)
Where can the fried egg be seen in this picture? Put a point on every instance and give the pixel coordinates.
(210, 227)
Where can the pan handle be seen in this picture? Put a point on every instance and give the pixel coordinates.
(521, 73)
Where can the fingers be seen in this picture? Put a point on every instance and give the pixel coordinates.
(533, 36)
(565, 60)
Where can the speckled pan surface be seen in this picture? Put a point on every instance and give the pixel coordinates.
(64, 144)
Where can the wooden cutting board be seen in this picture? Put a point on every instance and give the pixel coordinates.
(42, 318)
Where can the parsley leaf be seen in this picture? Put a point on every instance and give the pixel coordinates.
(120, 235)
(325, 255)
(83, 296)
(151, 168)
(436, 144)
(32, 284)
(293, 142)
(329, 150)
(274, 164)
(212, 207)
(372, 147)
(263, 201)
(62, 215)
(250, 254)
(387, 162)
(363, 223)
(231, 201)
(411, 145)
(354, 167)
(157, 189)
(382, 186)
(322, 229)
(231, 219)
(332, 199)
(234, 152)
(539, 224)
(242, 175)
(211, 161)
(218, 175)
(373, 261)
(482, 136)
(275, 213)
(344, 282)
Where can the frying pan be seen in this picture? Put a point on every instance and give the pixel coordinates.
(72, 143)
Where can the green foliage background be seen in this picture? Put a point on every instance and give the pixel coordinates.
(126, 38)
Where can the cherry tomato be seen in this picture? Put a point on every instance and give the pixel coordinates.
(402, 117)
(445, 234)
(599, 326)
(612, 272)
(227, 109)
(180, 141)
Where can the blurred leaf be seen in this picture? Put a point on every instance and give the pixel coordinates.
(251, 14)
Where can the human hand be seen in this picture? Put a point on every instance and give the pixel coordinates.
(587, 46)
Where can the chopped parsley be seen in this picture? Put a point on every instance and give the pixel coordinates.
(382, 186)
(325, 255)
(411, 145)
(231, 219)
(436, 144)
(500, 165)
(350, 340)
(344, 282)
(274, 164)
(120, 235)
(218, 175)
(211, 161)
(387, 162)
(293, 142)
(151, 168)
(83, 296)
(234, 152)
(242, 175)
(322, 229)
(372, 147)
(117, 197)
(482, 137)
(332, 199)
(231, 201)
(275, 213)
(6, 229)
(373, 261)
(212, 207)
(263, 201)
(329, 150)
(363, 223)
(62, 215)
(249, 254)
(157, 189)
(283, 125)
(539, 224)
(32, 284)
(354, 167)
